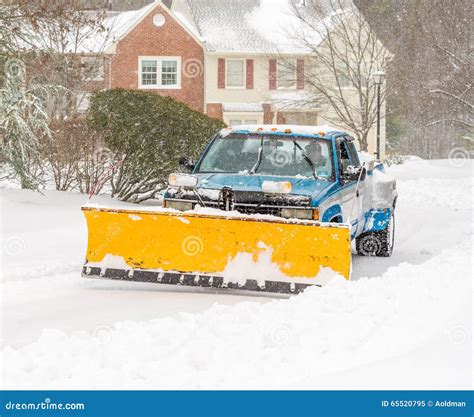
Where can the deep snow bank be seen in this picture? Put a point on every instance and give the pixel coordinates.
(283, 344)
(319, 339)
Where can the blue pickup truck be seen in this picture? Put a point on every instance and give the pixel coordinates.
(294, 172)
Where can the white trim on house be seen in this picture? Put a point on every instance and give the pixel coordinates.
(248, 107)
(245, 113)
(204, 81)
(159, 85)
(242, 118)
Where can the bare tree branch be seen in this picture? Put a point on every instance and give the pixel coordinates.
(341, 64)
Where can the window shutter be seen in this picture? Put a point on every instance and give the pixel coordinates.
(249, 73)
(272, 74)
(221, 73)
(300, 74)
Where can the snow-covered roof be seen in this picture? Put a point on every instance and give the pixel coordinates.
(116, 25)
(259, 26)
(84, 40)
(227, 26)
(188, 25)
(242, 107)
(252, 26)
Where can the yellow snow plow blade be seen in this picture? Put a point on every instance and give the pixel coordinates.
(276, 255)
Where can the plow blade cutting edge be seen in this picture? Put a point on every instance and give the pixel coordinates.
(216, 251)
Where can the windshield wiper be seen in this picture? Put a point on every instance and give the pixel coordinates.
(310, 163)
(259, 160)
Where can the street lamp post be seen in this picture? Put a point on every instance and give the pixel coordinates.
(378, 79)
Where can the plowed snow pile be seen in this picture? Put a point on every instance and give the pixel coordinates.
(412, 316)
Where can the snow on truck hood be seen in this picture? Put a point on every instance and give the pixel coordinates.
(305, 186)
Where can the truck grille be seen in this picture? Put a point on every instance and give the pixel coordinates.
(251, 209)
(252, 202)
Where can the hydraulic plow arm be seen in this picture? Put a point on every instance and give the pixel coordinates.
(213, 250)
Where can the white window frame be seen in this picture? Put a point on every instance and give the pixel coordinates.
(244, 70)
(243, 117)
(281, 87)
(158, 85)
(243, 122)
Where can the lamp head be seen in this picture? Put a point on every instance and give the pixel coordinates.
(378, 77)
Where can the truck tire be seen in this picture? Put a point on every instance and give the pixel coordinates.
(377, 243)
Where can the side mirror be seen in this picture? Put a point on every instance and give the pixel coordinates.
(186, 164)
(353, 173)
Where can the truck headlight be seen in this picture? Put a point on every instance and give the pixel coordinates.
(300, 213)
(277, 187)
(182, 180)
(178, 205)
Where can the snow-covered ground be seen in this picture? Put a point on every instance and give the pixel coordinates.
(404, 322)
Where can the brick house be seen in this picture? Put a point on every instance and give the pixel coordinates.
(212, 57)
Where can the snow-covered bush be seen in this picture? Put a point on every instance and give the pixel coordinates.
(23, 120)
(148, 133)
(75, 156)
(25, 123)
(400, 159)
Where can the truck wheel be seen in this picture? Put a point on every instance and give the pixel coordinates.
(377, 243)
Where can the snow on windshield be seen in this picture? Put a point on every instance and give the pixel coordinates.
(269, 155)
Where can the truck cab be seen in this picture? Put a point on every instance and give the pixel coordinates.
(296, 172)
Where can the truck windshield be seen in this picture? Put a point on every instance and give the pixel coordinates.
(268, 155)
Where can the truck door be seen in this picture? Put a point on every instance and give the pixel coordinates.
(347, 191)
(362, 203)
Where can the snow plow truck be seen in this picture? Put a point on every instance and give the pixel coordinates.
(269, 208)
